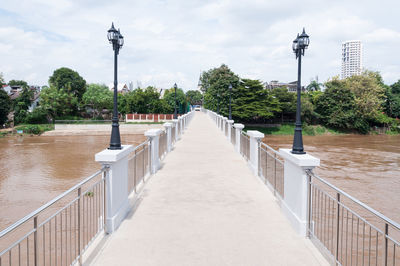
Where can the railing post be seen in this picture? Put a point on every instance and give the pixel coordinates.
(238, 128)
(296, 188)
(337, 225)
(224, 124)
(79, 225)
(175, 121)
(35, 239)
(116, 183)
(255, 139)
(386, 244)
(154, 136)
(230, 123)
(168, 127)
(180, 120)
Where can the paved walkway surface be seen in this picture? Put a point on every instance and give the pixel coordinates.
(205, 207)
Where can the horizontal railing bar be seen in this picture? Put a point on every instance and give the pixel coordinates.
(373, 211)
(47, 205)
(140, 145)
(269, 147)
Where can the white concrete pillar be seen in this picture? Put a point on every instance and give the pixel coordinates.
(168, 127)
(230, 123)
(180, 119)
(238, 128)
(255, 139)
(224, 124)
(175, 121)
(154, 136)
(117, 204)
(295, 202)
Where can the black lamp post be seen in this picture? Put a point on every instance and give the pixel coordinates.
(175, 112)
(117, 40)
(299, 45)
(230, 101)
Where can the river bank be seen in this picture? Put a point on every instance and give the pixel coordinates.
(313, 130)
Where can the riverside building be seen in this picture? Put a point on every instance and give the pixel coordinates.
(352, 58)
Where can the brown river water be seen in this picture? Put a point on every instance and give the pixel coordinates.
(36, 169)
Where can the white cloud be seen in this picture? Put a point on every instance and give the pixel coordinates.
(171, 41)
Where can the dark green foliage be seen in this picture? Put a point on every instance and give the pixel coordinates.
(98, 97)
(169, 97)
(68, 80)
(392, 103)
(37, 116)
(194, 97)
(21, 83)
(287, 102)
(144, 101)
(251, 102)
(21, 105)
(5, 106)
(58, 102)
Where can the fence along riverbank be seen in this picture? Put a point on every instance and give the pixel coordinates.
(59, 232)
(346, 231)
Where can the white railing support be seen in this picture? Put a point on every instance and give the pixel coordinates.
(255, 139)
(168, 127)
(117, 204)
(154, 136)
(230, 123)
(295, 202)
(224, 124)
(180, 120)
(175, 122)
(238, 128)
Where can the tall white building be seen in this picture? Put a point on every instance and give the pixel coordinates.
(352, 58)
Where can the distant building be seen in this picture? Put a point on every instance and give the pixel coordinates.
(121, 88)
(291, 86)
(352, 58)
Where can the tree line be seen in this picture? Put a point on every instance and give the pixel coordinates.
(358, 103)
(68, 96)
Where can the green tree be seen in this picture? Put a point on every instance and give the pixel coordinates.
(336, 107)
(5, 106)
(21, 105)
(69, 81)
(145, 101)
(392, 103)
(2, 82)
(217, 81)
(252, 102)
(314, 85)
(58, 102)
(194, 97)
(181, 105)
(21, 83)
(98, 97)
(287, 102)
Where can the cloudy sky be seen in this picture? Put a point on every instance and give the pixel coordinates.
(172, 41)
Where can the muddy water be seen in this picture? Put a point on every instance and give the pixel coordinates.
(367, 167)
(33, 170)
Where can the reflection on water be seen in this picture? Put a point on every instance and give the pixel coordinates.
(33, 170)
(367, 167)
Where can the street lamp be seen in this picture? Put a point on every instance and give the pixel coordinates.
(230, 101)
(175, 112)
(117, 41)
(299, 45)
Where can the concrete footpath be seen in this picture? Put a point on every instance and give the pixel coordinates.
(205, 207)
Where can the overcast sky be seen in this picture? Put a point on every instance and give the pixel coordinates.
(172, 41)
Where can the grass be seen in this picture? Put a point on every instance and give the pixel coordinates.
(34, 129)
(288, 129)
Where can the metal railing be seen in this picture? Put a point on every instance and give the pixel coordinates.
(271, 165)
(233, 135)
(348, 231)
(162, 145)
(58, 232)
(245, 145)
(139, 166)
